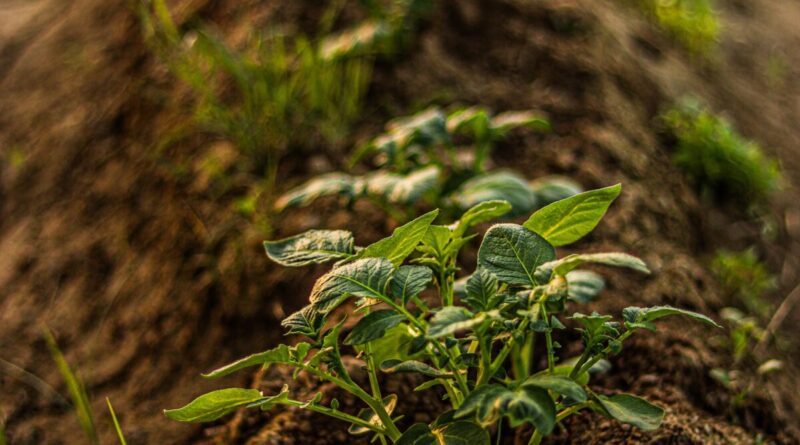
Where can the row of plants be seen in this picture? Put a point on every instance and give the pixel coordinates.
(439, 159)
(475, 342)
(280, 90)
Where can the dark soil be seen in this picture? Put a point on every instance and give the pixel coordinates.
(147, 276)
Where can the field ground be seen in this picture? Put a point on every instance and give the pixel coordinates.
(147, 277)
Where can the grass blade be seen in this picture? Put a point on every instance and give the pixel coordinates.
(117, 427)
(77, 392)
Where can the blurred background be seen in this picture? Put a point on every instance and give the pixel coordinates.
(148, 147)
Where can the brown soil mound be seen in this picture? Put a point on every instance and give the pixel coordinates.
(146, 278)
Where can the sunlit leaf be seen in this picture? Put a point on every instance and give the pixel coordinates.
(566, 221)
(311, 247)
(214, 405)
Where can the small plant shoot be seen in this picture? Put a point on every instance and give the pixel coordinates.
(473, 338)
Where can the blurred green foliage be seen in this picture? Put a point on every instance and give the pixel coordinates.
(692, 23)
(720, 161)
(745, 279)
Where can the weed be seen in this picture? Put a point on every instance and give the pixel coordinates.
(77, 392)
(742, 340)
(692, 23)
(480, 351)
(721, 162)
(745, 278)
(117, 427)
(441, 159)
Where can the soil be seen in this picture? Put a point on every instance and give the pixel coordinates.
(147, 276)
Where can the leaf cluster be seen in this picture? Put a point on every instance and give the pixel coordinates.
(442, 159)
(479, 348)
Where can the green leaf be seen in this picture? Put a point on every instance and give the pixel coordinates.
(409, 281)
(324, 185)
(526, 404)
(392, 366)
(355, 41)
(511, 119)
(468, 120)
(311, 247)
(389, 404)
(591, 323)
(367, 278)
(636, 315)
(566, 221)
(400, 189)
(214, 405)
(512, 253)
(560, 384)
(394, 345)
(453, 433)
(373, 326)
(307, 321)
(451, 319)
(280, 354)
(550, 189)
(584, 286)
(484, 211)
(402, 242)
(482, 290)
(632, 410)
(570, 262)
(496, 186)
(436, 240)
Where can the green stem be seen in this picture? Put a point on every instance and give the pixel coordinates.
(373, 377)
(548, 336)
(486, 359)
(537, 437)
(336, 414)
(603, 354)
(512, 344)
(376, 405)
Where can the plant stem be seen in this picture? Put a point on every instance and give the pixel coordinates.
(373, 377)
(376, 405)
(548, 336)
(604, 353)
(537, 437)
(336, 414)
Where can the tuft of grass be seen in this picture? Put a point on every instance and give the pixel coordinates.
(717, 158)
(745, 278)
(117, 426)
(76, 389)
(3, 433)
(692, 23)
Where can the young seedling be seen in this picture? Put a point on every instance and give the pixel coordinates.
(479, 349)
(747, 368)
(441, 159)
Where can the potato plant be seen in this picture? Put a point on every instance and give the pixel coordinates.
(477, 348)
(441, 158)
